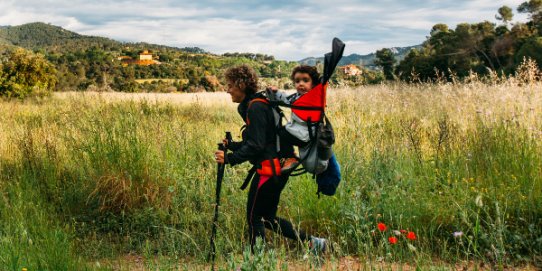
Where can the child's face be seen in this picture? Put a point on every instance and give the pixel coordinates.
(302, 82)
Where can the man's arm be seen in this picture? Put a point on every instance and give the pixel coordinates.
(234, 145)
(256, 137)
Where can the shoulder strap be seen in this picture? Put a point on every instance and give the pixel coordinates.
(300, 107)
(260, 100)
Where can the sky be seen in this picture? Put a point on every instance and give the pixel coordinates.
(286, 29)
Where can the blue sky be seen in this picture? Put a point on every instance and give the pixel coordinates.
(289, 30)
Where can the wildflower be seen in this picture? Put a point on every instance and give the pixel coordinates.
(392, 240)
(457, 234)
(403, 231)
(411, 247)
(478, 201)
(381, 227)
(411, 235)
(396, 233)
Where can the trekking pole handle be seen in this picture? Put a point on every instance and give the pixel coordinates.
(228, 137)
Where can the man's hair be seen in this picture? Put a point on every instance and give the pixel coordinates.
(243, 74)
(310, 70)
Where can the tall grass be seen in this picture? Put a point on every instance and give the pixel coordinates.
(87, 178)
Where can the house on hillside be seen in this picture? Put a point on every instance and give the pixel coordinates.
(351, 70)
(145, 58)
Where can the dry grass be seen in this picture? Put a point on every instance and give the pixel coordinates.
(117, 194)
(461, 103)
(203, 98)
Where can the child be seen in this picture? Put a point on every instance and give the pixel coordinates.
(296, 131)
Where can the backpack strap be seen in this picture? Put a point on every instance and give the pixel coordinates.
(300, 107)
(249, 177)
(260, 100)
(278, 115)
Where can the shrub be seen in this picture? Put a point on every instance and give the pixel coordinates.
(25, 73)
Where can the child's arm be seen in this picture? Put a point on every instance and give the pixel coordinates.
(275, 94)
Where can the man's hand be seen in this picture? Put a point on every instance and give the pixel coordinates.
(219, 157)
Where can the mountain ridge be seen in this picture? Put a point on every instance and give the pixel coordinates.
(362, 60)
(45, 36)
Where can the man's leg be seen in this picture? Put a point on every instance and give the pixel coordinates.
(254, 218)
(272, 191)
(286, 229)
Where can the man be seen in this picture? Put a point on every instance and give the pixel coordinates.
(258, 146)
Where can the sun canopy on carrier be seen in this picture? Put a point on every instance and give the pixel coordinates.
(310, 106)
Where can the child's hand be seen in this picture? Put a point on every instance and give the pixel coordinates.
(272, 88)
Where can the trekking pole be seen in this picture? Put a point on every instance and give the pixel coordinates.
(219, 177)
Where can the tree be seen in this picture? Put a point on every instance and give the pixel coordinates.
(25, 73)
(505, 14)
(210, 83)
(439, 28)
(534, 9)
(531, 49)
(386, 60)
(416, 67)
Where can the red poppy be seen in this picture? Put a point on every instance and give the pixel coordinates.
(392, 240)
(381, 227)
(411, 235)
(403, 231)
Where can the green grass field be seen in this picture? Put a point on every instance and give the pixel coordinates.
(113, 183)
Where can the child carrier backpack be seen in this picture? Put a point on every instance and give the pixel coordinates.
(316, 156)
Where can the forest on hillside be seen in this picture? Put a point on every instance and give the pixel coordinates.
(92, 63)
(480, 48)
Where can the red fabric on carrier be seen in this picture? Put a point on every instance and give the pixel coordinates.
(316, 97)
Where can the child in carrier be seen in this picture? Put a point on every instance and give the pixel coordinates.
(303, 77)
(296, 131)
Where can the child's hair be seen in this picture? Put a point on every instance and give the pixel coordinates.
(243, 74)
(310, 70)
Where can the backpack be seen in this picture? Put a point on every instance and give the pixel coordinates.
(317, 156)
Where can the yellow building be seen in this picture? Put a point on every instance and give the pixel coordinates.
(145, 59)
(351, 70)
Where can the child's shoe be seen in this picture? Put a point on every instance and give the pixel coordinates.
(289, 165)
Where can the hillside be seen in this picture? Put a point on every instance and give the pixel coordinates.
(95, 63)
(362, 60)
(50, 38)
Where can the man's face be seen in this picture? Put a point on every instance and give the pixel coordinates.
(302, 82)
(235, 91)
